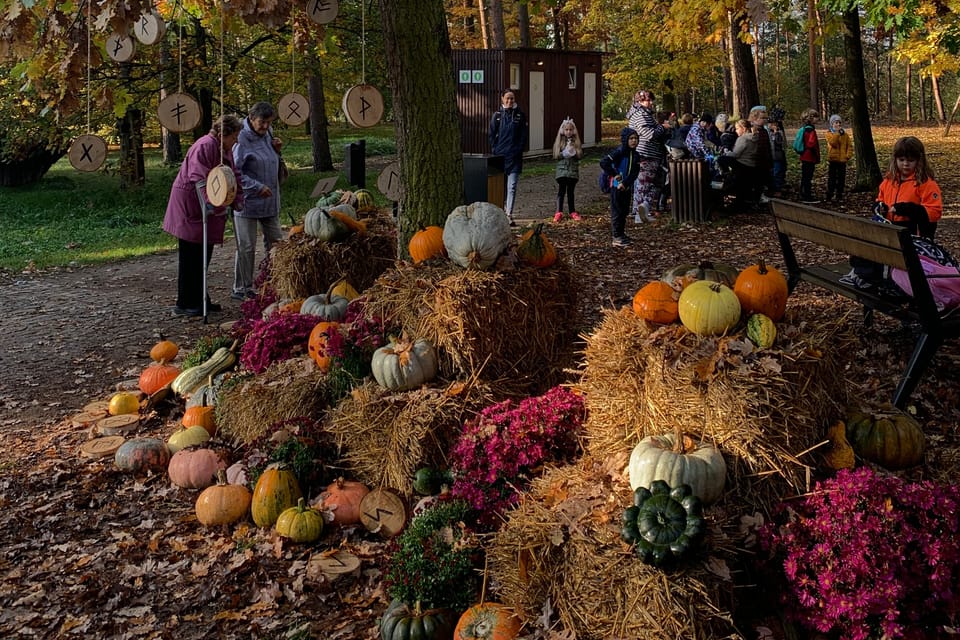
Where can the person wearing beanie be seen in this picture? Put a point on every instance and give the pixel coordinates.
(697, 143)
(621, 168)
(839, 152)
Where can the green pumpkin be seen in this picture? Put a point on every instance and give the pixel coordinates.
(891, 438)
(664, 524)
(684, 274)
(404, 365)
(761, 330)
(428, 482)
(318, 223)
(329, 199)
(400, 622)
(326, 306)
(476, 234)
(300, 523)
(276, 491)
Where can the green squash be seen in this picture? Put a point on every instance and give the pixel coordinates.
(664, 524)
(761, 330)
(400, 622)
(891, 438)
(276, 491)
(300, 523)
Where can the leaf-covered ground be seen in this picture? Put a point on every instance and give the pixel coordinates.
(88, 551)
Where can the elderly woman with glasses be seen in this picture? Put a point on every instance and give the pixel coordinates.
(652, 137)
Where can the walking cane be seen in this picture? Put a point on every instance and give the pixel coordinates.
(201, 187)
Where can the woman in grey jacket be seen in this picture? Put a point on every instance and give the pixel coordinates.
(257, 158)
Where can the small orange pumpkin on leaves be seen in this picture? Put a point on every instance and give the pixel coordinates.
(762, 289)
(487, 621)
(657, 302)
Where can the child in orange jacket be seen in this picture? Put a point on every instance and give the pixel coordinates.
(909, 195)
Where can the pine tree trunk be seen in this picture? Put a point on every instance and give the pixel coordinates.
(417, 49)
(495, 26)
(131, 149)
(746, 91)
(319, 127)
(864, 151)
(523, 22)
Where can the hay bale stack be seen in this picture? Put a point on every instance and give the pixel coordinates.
(514, 325)
(384, 436)
(303, 266)
(763, 409)
(563, 543)
(288, 389)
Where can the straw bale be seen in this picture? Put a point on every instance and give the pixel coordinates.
(288, 389)
(384, 436)
(513, 324)
(562, 542)
(303, 266)
(764, 409)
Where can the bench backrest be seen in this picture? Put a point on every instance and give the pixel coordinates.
(883, 243)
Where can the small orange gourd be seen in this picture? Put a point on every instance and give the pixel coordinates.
(426, 243)
(657, 302)
(487, 621)
(536, 249)
(222, 503)
(343, 498)
(200, 416)
(157, 376)
(762, 289)
(164, 351)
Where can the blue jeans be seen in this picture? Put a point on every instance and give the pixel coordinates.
(779, 174)
(512, 180)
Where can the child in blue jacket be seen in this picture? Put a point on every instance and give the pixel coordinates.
(622, 165)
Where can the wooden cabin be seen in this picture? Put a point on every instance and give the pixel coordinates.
(550, 85)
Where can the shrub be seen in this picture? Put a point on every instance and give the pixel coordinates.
(867, 554)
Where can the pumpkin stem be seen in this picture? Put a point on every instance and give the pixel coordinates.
(417, 610)
(762, 266)
(677, 438)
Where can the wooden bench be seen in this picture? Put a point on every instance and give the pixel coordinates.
(886, 244)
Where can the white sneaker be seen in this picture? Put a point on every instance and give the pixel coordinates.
(764, 199)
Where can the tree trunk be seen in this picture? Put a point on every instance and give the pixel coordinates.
(890, 81)
(946, 129)
(864, 151)
(908, 92)
(523, 22)
(426, 117)
(812, 51)
(746, 92)
(131, 149)
(937, 98)
(923, 99)
(319, 129)
(498, 34)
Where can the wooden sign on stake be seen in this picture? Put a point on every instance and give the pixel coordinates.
(389, 183)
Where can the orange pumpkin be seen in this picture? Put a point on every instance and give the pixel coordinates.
(294, 230)
(762, 289)
(536, 249)
(164, 351)
(487, 621)
(317, 343)
(291, 306)
(200, 416)
(222, 503)
(156, 377)
(426, 243)
(657, 302)
(343, 498)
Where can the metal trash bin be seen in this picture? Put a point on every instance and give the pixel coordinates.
(355, 163)
(690, 188)
(483, 179)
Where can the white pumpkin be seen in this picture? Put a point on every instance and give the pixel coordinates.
(699, 465)
(403, 365)
(476, 234)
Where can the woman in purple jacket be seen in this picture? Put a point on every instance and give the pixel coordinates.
(257, 156)
(184, 217)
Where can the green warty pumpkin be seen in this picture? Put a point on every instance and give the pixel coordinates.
(665, 524)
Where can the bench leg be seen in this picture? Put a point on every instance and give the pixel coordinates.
(923, 352)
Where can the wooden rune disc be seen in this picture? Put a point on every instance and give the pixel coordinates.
(221, 186)
(101, 447)
(363, 105)
(117, 425)
(150, 29)
(87, 153)
(389, 182)
(337, 563)
(322, 11)
(86, 418)
(120, 47)
(179, 112)
(97, 406)
(293, 109)
(383, 512)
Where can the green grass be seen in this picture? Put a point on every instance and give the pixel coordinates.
(74, 218)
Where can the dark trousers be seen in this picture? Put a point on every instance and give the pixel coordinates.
(565, 187)
(806, 180)
(836, 179)
(190, 273)
(620, 203)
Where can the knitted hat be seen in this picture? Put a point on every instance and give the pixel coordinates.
(833, 119)
(706, 117)
(721, 120)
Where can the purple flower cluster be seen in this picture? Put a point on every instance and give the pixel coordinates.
(279, 337)
(507, 444)
(867, 554)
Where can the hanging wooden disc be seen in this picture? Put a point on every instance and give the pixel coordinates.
(323, 11)
(117, 425)
(389, 182)
(363, 105)
(221, 186)
(87, 152)
(293, 109)
(101, 447)
(151, 28)
(179, 113)
(120, 47)
(383, 512)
